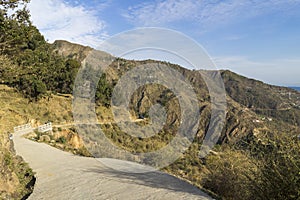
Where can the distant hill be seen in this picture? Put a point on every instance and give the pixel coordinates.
(279, 102)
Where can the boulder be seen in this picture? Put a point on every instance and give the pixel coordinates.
(45, 138)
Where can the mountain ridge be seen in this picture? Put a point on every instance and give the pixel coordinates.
(249, 117)
(259, 141)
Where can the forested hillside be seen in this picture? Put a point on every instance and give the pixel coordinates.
(28, 61)
(28, 64)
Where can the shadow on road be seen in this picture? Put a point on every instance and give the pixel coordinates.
(157, 180)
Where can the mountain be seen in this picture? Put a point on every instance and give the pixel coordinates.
(257, 155)
(273, 101)
(256, 112)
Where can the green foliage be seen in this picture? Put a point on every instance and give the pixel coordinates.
(269, 170)
(228, 175)
(8, 159)
(104, 91)
(12, 4)
(26, 179)
(32, 87)
(16, 30)
(12, 165)
(62, 140)
(38, 68)
(279, 175)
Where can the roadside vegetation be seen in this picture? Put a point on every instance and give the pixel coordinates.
(16, 178)
(268, 169)
(64, 139)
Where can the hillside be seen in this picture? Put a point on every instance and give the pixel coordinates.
(17, 179)
(243, 112)
(273, 101)
(255, 112)
(257, 145)
(248, 99)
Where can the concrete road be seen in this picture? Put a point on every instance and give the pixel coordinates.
(61, 175)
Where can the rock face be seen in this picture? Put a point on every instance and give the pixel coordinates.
(247, 99)
(75, 141)
(74, 51)
(68, 49)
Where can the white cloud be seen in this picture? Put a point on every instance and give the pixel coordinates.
(59, 20)
(278, 72)
(151, 14)
(205, 13)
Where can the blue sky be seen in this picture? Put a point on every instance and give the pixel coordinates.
(259, 39)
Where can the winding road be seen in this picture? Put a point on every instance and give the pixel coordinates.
(61, 175)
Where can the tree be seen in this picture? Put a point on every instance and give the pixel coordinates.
(104, 91)
(68, 75)
(39, 88)
(15, 24)
(32, 87)
(12, 4)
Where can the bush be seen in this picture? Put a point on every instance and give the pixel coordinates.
(31, 86)
(62, 140)
(104, 91)
(8, 159)
(279, 175)
(229, 175)
(270, 170)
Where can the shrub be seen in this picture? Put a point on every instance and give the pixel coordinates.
(279, 175)
(229, 175)
(62, 140)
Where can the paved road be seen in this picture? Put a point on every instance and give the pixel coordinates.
(61, 175)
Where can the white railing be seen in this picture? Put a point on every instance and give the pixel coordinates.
(44, 128)
(26, 128)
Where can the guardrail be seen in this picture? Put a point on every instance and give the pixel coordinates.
(26, 128)
(44, 128)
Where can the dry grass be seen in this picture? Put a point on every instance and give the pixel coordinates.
(16, 110)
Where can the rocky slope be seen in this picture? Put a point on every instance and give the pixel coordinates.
(251, 104)
(256, 114)
(254, 109)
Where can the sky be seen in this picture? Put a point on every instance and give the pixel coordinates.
(255, 38)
